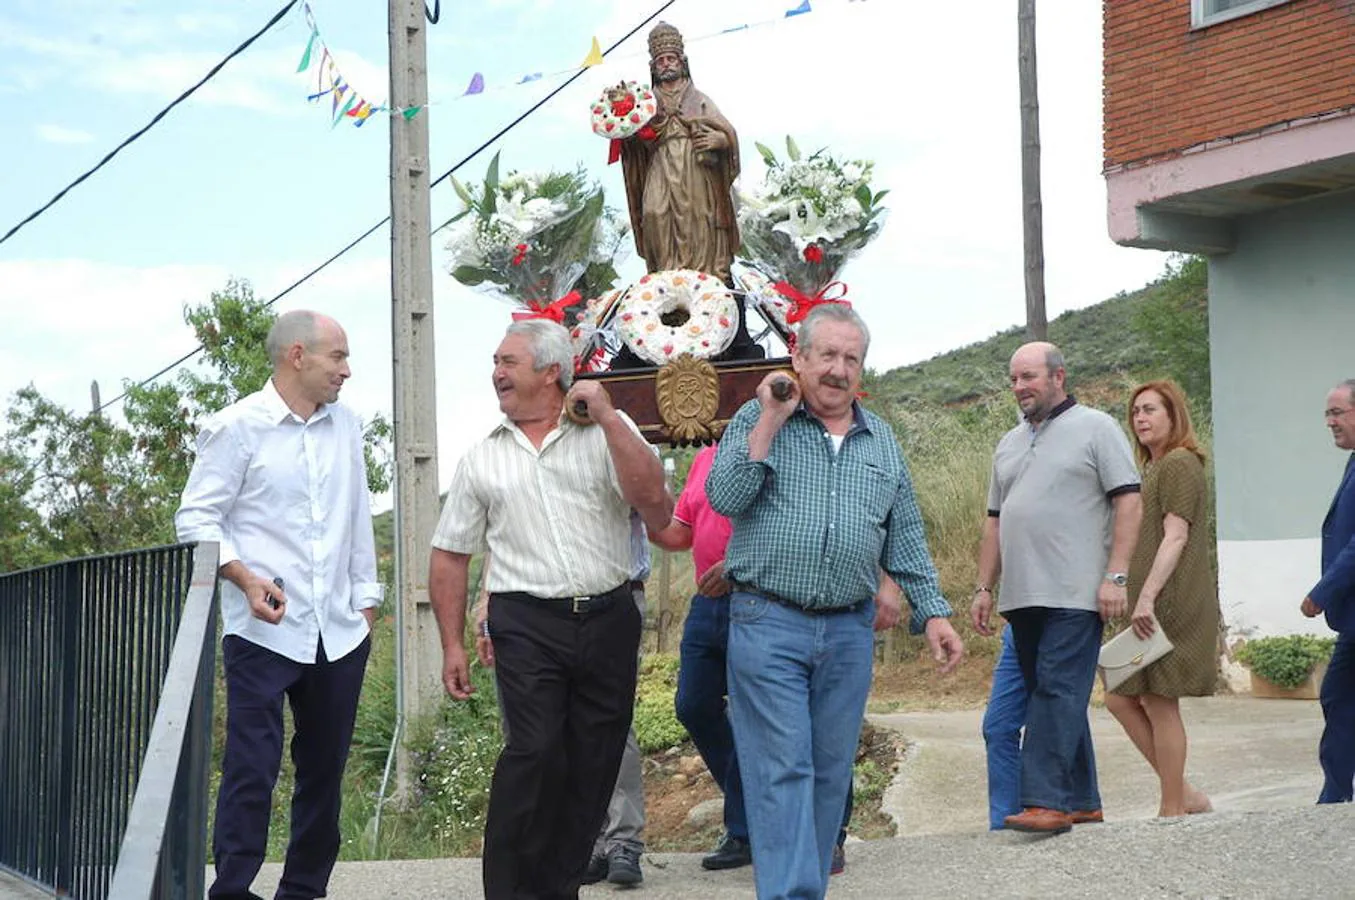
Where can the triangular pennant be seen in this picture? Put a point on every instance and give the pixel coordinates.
(535, 76)
(306, 57)
(353, 99)
(594, 57)
(476, 86)
(410, 112)
(799, 10)
(339, 90)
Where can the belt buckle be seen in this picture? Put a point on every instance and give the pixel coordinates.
(579, 605)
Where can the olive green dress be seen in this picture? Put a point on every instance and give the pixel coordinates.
(1187, 606)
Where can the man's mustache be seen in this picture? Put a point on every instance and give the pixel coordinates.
(834, 381)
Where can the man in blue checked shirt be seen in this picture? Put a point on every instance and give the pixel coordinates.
(821, 502)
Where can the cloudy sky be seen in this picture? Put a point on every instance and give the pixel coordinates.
(247, 180)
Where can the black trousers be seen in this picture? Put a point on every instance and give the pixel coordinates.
(567, 687)
(324, 701)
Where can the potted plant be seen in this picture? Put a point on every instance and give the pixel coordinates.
(1288, 667)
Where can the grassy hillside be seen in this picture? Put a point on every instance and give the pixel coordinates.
(1161, 329)
(1098, 341)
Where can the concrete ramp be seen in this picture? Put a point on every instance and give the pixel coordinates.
(1256, 758)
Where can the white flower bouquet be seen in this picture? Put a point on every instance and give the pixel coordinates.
(808, 217)
(530, 237)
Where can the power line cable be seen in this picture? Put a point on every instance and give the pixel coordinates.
(277, 17)
(441, 178)
(283, 293)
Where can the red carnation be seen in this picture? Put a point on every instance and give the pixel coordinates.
(623, 106)
(647, 134)
(814, 254)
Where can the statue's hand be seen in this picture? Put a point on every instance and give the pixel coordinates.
(708, 139)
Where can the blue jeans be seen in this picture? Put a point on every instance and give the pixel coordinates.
(1057, 650)
(1002, 724)
(797, 695)
(1336, 751)
(700, 702)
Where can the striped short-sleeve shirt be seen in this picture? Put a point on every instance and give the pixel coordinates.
(553, 518)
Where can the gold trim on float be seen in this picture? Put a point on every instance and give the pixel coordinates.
(687, 394)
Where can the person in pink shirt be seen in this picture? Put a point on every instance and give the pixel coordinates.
(702, 683)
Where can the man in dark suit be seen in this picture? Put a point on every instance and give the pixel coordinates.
(1335, 596)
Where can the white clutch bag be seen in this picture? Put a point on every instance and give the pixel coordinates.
(1127, 653)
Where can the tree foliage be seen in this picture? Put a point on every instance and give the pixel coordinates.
(73, 485)
(1173, 320)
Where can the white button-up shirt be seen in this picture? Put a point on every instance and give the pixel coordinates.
(288, 498)
(553, 518)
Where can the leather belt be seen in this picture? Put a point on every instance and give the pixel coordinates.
(578, 606)
(782, 601)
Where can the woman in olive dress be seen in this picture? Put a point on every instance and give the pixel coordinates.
(1172, 586)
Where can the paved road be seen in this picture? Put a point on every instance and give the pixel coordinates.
(1256, 758)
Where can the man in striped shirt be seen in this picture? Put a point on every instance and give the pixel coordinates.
(550, 500)
(821, 502)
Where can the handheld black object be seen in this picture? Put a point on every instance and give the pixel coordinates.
(781, 389)
(273, 601)
(580, 409)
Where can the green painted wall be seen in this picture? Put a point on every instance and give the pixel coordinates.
(1282, 333)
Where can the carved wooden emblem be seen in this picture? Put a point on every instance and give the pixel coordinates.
(687, 393)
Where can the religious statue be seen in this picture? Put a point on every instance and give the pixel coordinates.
(679, 172)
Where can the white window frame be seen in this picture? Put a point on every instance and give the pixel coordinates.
(1203, 14)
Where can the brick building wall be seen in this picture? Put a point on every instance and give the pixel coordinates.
(1167, 87)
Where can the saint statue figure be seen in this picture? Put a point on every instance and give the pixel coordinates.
(679, 177)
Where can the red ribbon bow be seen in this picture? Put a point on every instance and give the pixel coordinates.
(555, 311)
(646, 133)
(802, 303)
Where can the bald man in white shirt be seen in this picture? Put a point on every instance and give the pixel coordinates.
(280, 483)
(550, 499)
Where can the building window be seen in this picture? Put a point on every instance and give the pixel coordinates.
(1204, 13)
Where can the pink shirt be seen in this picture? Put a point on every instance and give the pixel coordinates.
(710, 530)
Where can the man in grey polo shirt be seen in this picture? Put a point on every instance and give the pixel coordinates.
(1063, 517)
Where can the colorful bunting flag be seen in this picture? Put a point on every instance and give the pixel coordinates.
(594, 57)
(306, 57)
(345, 102)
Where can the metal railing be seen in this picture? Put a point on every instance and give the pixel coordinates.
(105, 729)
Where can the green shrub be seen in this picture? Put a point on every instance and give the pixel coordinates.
(453, 755)
(1285, 661)
(656, 724)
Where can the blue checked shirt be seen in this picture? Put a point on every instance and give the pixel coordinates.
(813, 525)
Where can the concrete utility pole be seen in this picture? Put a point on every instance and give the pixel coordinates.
(1032, 208)
(415, 399)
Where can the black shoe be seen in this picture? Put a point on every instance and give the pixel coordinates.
(730, 853)
(596, 871)
(623, 865)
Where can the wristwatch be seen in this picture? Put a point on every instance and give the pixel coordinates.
(1119, 579)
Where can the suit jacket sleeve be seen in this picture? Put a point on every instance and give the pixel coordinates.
(1335, 593)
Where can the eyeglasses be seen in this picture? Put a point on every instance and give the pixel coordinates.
(1336, 413)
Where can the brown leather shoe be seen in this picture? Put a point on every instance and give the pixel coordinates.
(1086, 817)
(1038, 820)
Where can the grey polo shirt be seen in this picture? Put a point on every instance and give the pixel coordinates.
(1051, 489)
